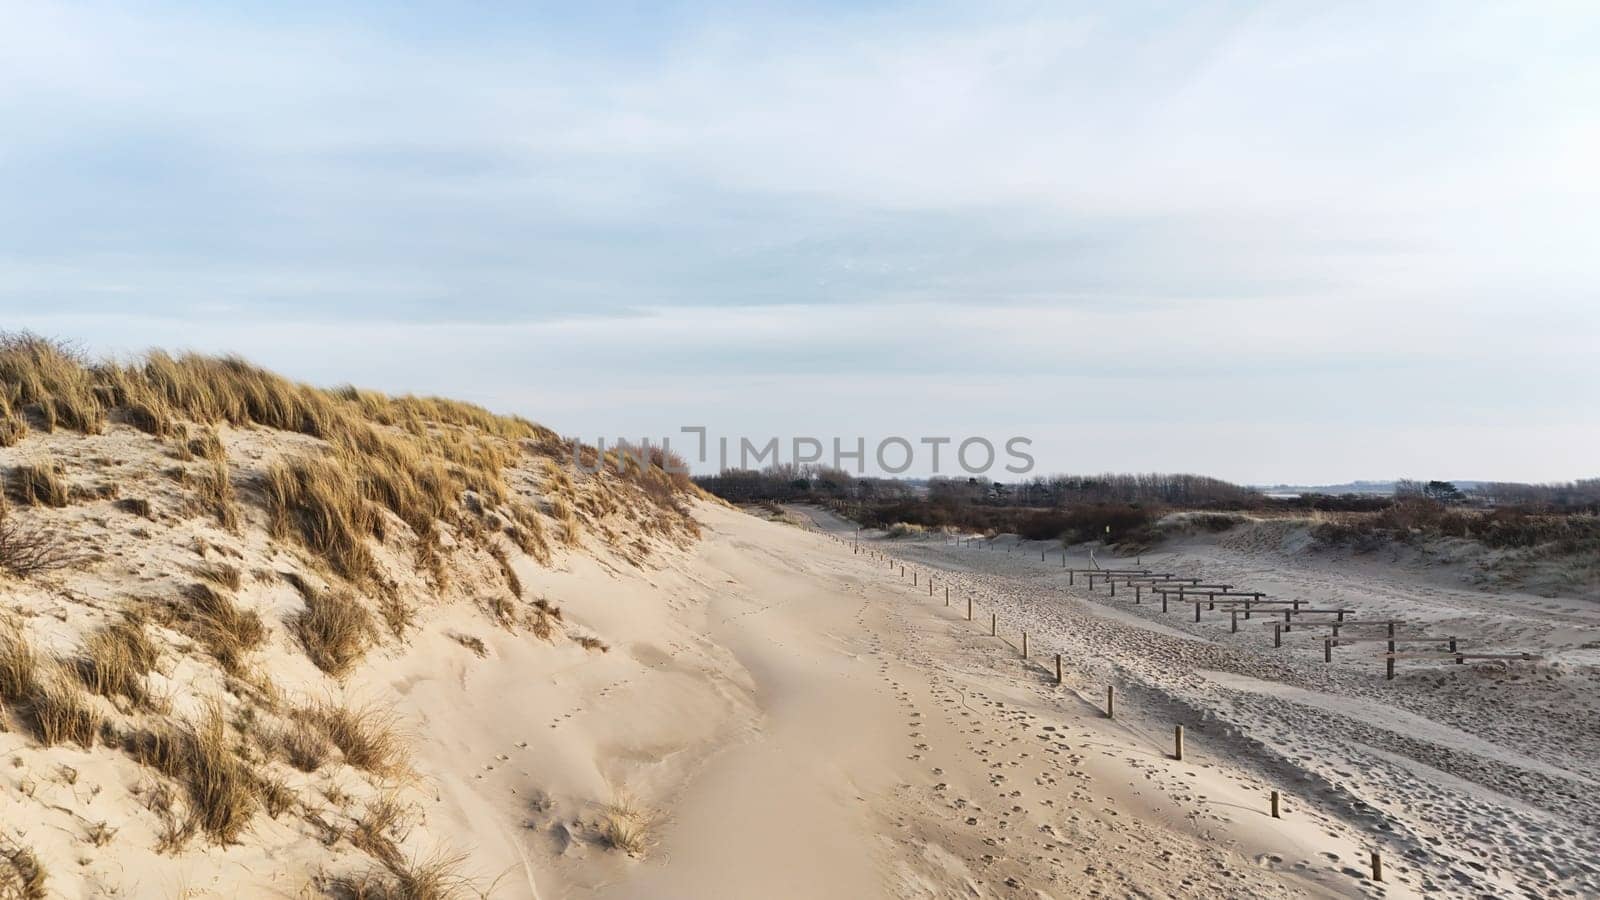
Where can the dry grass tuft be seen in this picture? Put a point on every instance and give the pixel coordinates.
(223, 792)
(214, 488)
(316, 501)
(205, 445)
(216, 621)
(12, 431)
(304, 744)
(627, 827)
(397, 614)
(366, 735)
(60, 711)
(567, 518)
(432, 879)
(40, 484)
(44, 696)
(22, 875)
(115, 660)
(335, 629)
(473, 643)
(528, 533)
(223, 575)
(51, 378)
(542, 620)
(503, 560)
(382, 823)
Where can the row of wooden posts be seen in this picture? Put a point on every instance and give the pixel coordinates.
(1274, 800)
(1190, 590)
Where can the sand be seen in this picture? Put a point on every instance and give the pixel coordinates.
(786, 717)
(1475, 780)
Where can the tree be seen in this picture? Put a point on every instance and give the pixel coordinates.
(1443, 491)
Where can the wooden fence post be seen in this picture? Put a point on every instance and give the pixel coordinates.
(1377, 866)
(1177, 742)
(1111, 702)
(947, 595)
(1277, 634)
(969, 609)
(1024, 645)
(1058, 668)
(1275, 805)
(994, 625)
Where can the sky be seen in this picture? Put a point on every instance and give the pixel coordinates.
(1270, 242)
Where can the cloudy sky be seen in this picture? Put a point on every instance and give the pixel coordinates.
(1265, 241)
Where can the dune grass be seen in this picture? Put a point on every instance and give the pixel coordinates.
(115, 660)
(435, 878)
(22, 875)
(224, 794)
(335, 630)
(41, 483)
(415, 457)
(367, 736)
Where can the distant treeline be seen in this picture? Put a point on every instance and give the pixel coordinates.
(1118, 507)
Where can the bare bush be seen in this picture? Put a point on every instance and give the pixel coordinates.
(32, 548)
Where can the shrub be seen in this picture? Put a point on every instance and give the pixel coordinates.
(28, 549)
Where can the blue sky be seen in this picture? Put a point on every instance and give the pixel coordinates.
(1305, 242)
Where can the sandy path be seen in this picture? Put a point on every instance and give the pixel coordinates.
(1470, 777)
(900, 751)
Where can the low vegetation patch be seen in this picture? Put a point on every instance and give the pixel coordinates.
(335, 629)
(32, 548)
(366, 735)
(223, 792)
(40, 483)
(115, 660)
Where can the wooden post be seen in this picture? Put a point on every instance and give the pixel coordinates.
(1211, 601)
(1058, 668)
(1163, 601)
(1069, 574)
(1327, 650)
(1377, 866)
(1277, 634)
(1233, 618)
(1275, 805)
(1177, 742)
(1113, 584)
(947, 595)
(994, 625)
(1197, 610)
(930, 587)
(1024, 645)
(1459, 659)
(1111, 702)
(1388, 671)
(1137, 593)
(969, 609)
(913, 577)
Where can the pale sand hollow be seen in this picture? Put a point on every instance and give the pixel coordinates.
(806, 725)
